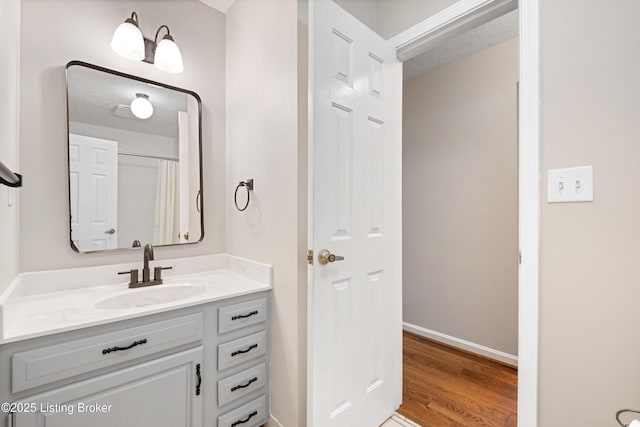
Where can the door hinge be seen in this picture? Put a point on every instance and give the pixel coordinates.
(519, 258)
(310, 257)
(10, 419)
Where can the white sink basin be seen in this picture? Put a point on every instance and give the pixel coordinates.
(142, 297)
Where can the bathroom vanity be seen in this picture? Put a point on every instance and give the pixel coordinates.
(193, 351)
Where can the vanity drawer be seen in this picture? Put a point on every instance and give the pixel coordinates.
(236, 316)
(53, 363)
(236, 386)
(252, 414)
(239, 351)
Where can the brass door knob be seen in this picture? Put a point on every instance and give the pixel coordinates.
(325, 257)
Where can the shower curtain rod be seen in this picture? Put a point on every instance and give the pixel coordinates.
(9, 178)
(146, 156)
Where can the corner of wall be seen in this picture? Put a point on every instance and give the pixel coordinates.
(9, 137)
(303, 169)
(265, 142)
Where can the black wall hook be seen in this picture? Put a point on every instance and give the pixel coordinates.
(8, 178)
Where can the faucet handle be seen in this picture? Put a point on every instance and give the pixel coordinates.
(157, 273)
(134, 276)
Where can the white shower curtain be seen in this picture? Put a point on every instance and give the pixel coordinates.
(167, 217)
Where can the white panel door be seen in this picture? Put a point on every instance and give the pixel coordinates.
(93, 169)
(355, 304)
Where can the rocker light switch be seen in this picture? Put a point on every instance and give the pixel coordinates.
(570, 185)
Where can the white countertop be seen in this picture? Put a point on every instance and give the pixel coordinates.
(45, 303)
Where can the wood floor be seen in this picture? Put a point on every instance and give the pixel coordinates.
(447, 387)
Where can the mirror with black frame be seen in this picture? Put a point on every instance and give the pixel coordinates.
(135, 164)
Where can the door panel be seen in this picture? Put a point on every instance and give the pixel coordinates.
(355, 319)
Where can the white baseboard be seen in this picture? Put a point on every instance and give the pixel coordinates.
(482, 350)
(273, 422)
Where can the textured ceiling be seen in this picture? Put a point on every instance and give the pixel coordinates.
(94, 96)
(482, 37)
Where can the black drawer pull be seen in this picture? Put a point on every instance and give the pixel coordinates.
(135, 343)
(237, 352)
(251, 415)
(199, 379)
(239, 386)
(244, 316)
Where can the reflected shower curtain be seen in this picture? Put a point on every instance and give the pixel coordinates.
(167, 216)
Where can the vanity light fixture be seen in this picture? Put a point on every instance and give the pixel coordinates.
(141, 107)
(129, 42)
(167, 55)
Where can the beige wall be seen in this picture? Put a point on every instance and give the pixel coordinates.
(460, 215)
(263, 144)
(364, 10)
(54, 33)
(9, 102)
(590, 255)
(396, 16)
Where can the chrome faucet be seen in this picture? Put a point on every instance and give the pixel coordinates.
(146, 272)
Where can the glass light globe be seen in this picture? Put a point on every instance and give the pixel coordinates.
(141, 107)
(127, 41)
(168, 57)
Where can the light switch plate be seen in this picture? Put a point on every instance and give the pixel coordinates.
(570, 185)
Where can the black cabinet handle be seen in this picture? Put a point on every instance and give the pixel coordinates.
(239, 386)
(244, 316)
(135, 343)
(237, 352)
(199, 379)
(251, 415)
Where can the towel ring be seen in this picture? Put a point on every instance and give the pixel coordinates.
(248, 184)
(624, 411)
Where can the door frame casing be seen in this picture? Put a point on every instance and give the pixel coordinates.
(455, 20)
(450, 22)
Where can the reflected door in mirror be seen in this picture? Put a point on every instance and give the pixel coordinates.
(93, 169)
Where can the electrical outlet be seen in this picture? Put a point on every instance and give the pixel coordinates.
(570, 185)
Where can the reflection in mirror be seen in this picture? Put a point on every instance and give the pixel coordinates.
(132, 179)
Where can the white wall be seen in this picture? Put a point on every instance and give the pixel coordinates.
(9, 103)
(460, 199)
(137, 181)
(262, 143)
(590, 255)
(129, 141)
(54, 33)
(396, 16)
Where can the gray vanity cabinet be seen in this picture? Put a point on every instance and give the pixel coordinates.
(205, 365)
(159, 392)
